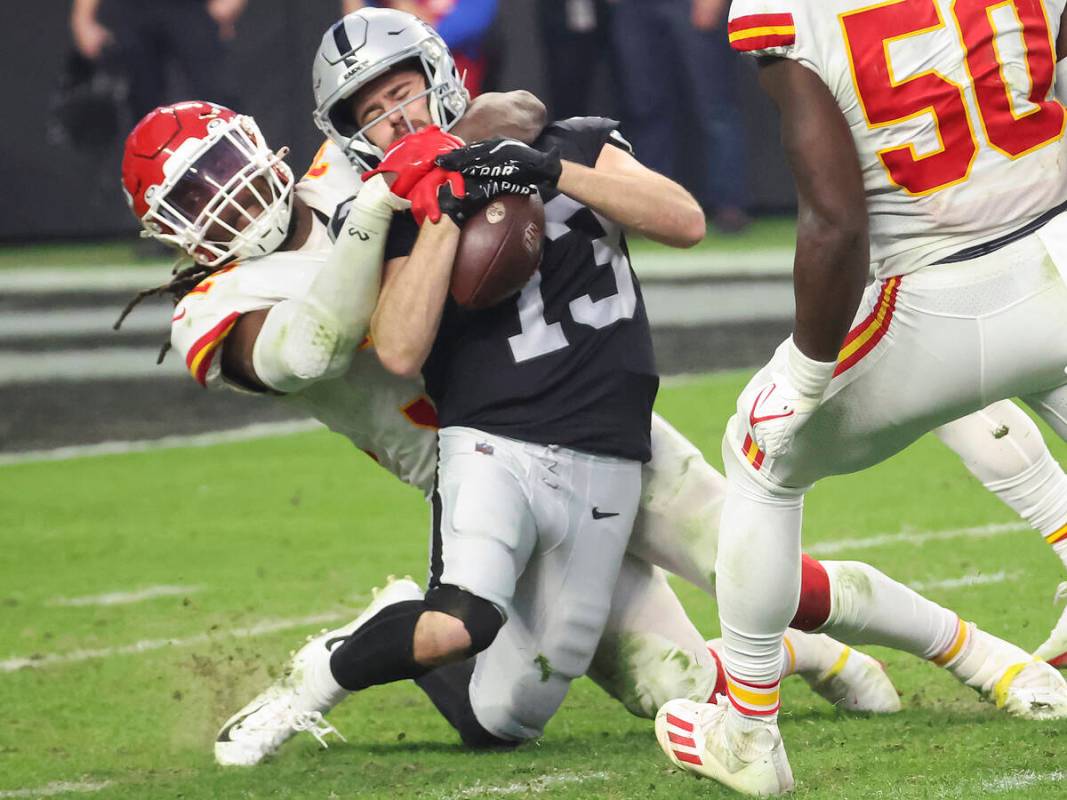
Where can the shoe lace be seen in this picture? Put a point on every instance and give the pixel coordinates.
(1061, 594)
(314, 723)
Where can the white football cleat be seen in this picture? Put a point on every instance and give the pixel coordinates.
(855, 682)
(695, 738)
(1054, 649)
(1008, 676)
(303, 695)
(1033, 690)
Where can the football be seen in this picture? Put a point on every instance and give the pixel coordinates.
(499, 249)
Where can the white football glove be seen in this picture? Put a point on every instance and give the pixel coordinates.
(782, 405)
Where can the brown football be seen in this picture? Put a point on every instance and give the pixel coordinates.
(499, 249)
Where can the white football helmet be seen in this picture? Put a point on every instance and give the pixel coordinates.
(201, 177)
(366, 44)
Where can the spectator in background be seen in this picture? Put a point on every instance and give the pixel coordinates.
(576, 40)
(149, 36)
(677, 71)
(463, 24)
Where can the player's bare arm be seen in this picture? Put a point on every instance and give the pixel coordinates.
(405, 322)
(516, 115)
(616, 185)
(624, 190)
(832, 254)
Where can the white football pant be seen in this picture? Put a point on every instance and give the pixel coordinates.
(927, 348)
(539, 531)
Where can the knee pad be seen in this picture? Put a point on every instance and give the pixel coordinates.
(482, 619)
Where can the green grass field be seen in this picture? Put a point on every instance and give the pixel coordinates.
(276, 530)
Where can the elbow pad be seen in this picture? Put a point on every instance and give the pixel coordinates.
(299, 345)
(313, 338)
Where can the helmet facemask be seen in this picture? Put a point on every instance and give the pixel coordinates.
(228, 197)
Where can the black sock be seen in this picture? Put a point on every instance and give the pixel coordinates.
(448, 688)
(382, 650)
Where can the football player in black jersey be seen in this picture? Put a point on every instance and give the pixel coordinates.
(545, 404)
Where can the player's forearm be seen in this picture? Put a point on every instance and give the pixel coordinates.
(833, 254)
(314, 337)
(646, 202)
(84, 10)
(405, 323)
(514, 115)
(829, 274)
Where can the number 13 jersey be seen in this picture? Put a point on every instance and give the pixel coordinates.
(950, 104)
(568, 361)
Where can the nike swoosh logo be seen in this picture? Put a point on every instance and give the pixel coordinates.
(753, 420)
(598, 514)
(224, 734)
(331, 642)
(179, 315)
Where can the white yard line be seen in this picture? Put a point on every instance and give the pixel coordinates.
(1015, 781)
(976, 579)
(125, 598)
(532, 786)
(146, 645)
(57, 788)
(259, 430)
(907, 537)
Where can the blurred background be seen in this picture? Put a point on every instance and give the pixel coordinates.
(79, 73)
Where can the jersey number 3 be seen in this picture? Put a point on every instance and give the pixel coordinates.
(1013, 125)
(539, 337)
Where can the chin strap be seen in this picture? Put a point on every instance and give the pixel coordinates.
(311, 338)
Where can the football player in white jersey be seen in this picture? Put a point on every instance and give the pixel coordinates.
(201, 177)
(681, 494)
(925, 141)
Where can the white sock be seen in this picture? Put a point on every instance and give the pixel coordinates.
(319, 684)
(759, 550)
(1004, 449)
(982, 658)
(869, 607)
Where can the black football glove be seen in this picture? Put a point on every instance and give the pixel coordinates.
(444, 192)
(477, 196)
(506, 164)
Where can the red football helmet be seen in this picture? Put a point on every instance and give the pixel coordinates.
(199, 176)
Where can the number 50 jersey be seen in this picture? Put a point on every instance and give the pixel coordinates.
(950, 104)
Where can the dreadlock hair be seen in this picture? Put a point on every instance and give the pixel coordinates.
(183, 282)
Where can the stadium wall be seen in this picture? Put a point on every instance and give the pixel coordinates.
(52, 192)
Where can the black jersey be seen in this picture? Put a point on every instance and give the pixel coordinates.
(569, 360)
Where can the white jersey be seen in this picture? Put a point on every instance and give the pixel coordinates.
(389, 418)
(950, 104)
(330, 180)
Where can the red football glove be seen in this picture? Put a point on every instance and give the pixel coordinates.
(424, 196)
(412, 158)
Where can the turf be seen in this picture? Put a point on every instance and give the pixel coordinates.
(283, 528)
